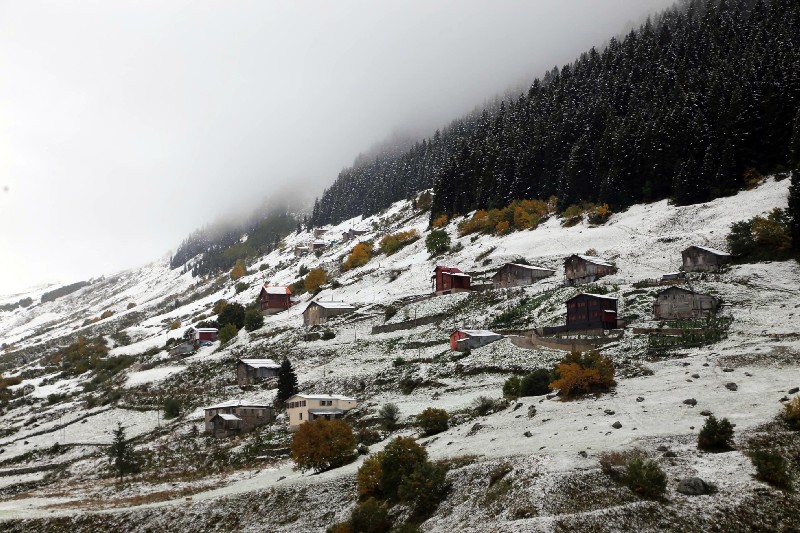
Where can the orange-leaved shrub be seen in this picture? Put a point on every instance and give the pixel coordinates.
(580, 373)
(360, 256)
(322, 444)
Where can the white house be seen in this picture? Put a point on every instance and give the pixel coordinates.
(304, 407)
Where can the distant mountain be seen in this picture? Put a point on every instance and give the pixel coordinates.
(689, 107)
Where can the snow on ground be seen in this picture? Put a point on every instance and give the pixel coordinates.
(154, 375)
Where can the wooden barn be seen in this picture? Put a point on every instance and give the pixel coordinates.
(448, 280)
(317, 245)
(248, 371)
(304, 407)
(675, 303)
(274, 299)
(205, 334)
(235, 417)
(469, 339)
(352, 234)
(703, 259)
(591, 311)
(319, 311)
(517, 275)
(583, 269)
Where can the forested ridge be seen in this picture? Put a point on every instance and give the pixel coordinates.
(685, 107)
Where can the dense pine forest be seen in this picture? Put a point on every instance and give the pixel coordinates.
(688, 107)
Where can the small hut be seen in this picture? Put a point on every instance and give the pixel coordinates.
(300, 251)
(583, 269)
(449, 280)
(517, 275)
(703, 259)
(248, 371)
(274, 299)
(318, 245)
(469, 339)
(319, 311)
(235, 417)
(676, 303)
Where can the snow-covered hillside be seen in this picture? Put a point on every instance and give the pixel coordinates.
(761, 354)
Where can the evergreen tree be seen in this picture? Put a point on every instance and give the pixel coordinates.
(793, 212)
(287, 382)
(121, 454)
(794, 159)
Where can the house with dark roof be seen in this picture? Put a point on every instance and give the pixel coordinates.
(583, 269)
(591, 311)
(704, 259)
(319, 311)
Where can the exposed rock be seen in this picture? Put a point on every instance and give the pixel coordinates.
(690, 401)
(732, 386)
(705, 412)
(583, 453)
(696, 376)
(694, 486)
(517, 405)
(794, 390)
(785, 399)
(727, 370)
(662, 448)
(531, 411)
(608, 412)
(474, 429)
(670, 454)
(528, 434)
(640, 399)
(616, 425)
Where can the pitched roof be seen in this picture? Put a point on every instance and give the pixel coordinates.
(529, 267)
(275, 289)
(227, 417)
(479, 332)
(594, 296)
(710, 250)
(323, 397)
(331, 304)
(206, 330)
(260, 363)
(591, 259)
(237, 403)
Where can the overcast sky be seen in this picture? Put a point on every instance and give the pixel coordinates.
(124, 125)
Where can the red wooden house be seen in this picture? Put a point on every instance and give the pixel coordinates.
(274, 299)
(447, 280)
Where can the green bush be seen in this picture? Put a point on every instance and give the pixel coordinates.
(432, 421)
(536, 383)
(511, 388)
(389, 313)
(253, 320)
(437, 242)
(232, 314)
(327, 335)
(424, 488)
(716, 435)
(771, 467)
(227, 332)
(172, 408)
(241, 287)
(645, 477)
(370, 516)
(390, 414)
(482, 406)
(398, 460)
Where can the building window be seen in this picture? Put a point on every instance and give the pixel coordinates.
(301, 416)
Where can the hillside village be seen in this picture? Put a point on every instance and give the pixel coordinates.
(690, 335)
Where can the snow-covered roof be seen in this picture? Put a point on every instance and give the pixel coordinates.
(529, 267)
(459, 274)
(274, 289)
(593, 259)
(329, 412)
(710, 250)
(207, 330)
(594, 296)
(318, 242)
(479, 332)
(331, 304)
(237, 403)
(260, 363)
(230, 418)
(323, 397)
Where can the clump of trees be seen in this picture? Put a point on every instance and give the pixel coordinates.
(359, 256)
(437, 242)
(762, 238)
(239, 270)
(518, 215)
(581, 373)
(253, 319)
(533, 383)
(390, 244)
(323, 444)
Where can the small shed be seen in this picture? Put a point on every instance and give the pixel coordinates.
(703, 259)
(319, 232)
(673, 276)
(449, 280)
(676, 303)
(517, 275)
(583, 269)
(591, 311)
(319, 311)
(205, 334)
(469, 339)
(248, 371)
(300, 251)
(274, 299)
(235, 417)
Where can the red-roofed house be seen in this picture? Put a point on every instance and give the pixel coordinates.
(448, 280)
(275, 299)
